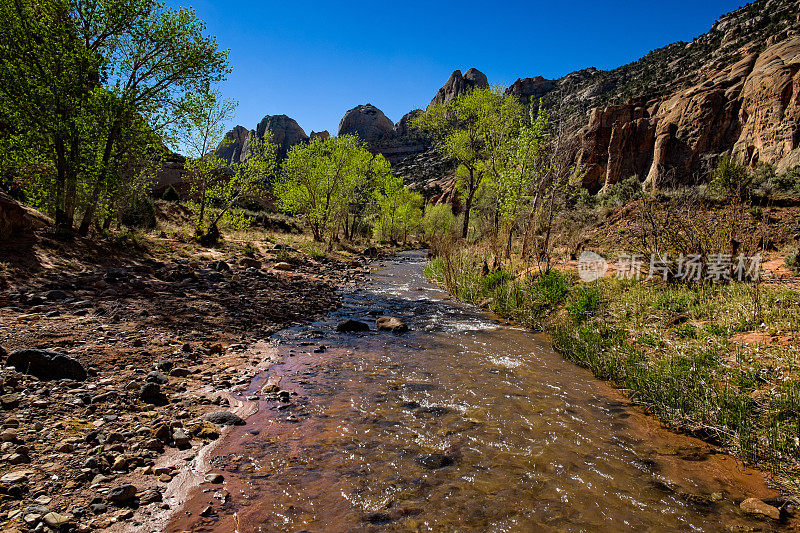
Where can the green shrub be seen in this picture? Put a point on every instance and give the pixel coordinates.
(584, 303)
(793, 260)
(680, 301)
(732, 181)
(495, 280)
(715, 330)
(620, 193)
(650, 339)
(138, 213)
(767, 182)
(686, 331)
(552, 289)
(171, 195)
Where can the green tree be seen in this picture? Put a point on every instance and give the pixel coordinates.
(557, 179)
(517, 170)
(473, 129)
(322, 179)
(214, 184)
(80, 78)
(732, 181)
(438, 224)
(250, 180)
(399, 210)
(202, 132)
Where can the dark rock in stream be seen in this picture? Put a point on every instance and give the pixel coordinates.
(433, 461)
(223, 418)
(352, 326)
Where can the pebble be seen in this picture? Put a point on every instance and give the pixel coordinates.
(433, 461)
(223, 418)
(122, 494)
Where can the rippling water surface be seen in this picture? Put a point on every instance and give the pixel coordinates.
(465, 423)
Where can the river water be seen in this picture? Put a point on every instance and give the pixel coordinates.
(465, 423)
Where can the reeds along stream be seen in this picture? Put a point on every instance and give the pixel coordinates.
(465, 423)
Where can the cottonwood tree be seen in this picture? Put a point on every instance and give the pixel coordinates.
(249, 181)
(517, 171)
(319, 180)
(472, 129)
(202, 132)
(212, 182)
(78, 76)
(399, 210)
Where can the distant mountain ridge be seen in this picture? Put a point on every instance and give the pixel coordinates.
(663, 118)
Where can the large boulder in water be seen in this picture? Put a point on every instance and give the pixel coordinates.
(366, 121)
(390, 323)
(352, 326)
(46, 364)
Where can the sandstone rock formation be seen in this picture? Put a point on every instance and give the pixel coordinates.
(319, 134)
(170, 174)
(366, 121)
(234, 147)
(286, 132)
(430, 173)
(750, 109)
(528, 89)
(457, 85)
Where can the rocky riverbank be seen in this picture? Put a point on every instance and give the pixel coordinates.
(117, 380)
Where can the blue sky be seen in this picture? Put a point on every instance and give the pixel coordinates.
(315, 60)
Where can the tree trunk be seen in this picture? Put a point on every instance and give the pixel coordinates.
(62, 221)
(100, 182)
(467, 209)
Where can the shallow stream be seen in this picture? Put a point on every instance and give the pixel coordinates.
(465, 423)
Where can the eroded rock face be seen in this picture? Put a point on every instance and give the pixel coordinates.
(770, 107)
(403, 126)
(366, 121)
(234, 148)
(458, 84)
(320, 135)
(16, 218)
(527, 89)
(751, 109)
(286, 132)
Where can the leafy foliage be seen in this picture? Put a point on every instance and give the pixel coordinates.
(88, 90)
(335, 184)
(399, 210)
